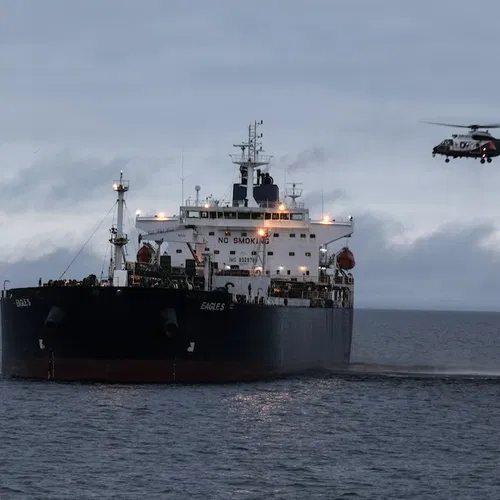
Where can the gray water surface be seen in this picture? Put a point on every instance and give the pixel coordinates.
(360, 437)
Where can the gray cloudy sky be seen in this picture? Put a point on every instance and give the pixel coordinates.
(88, 88)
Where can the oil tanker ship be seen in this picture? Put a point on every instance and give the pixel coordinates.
(243, 290)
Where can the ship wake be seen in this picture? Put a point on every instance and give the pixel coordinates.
(372, 370)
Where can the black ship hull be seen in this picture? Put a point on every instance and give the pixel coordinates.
(158, 335)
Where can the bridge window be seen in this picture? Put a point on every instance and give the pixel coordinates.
(296, 216)
(284, 216)
(204, 215)
(267, 216)
(244, 215)
(257, 215)
(230, 215)
(213, 215)
(193, 214)
(275, 216)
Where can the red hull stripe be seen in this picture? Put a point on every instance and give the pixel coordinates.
(142, 371)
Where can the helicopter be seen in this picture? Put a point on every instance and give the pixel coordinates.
(475, 144)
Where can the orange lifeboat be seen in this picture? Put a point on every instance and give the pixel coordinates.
(144, 255)
(345, 259)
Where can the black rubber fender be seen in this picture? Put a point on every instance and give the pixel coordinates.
(170, 321)
(55, 317)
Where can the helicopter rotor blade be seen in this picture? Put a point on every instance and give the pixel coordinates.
(491, 125)
(445, 124)
(472, 127)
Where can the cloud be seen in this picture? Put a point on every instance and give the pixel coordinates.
(70, 177)
(96, 74)
(451, 265)
(453, 268)
(328, 197)
(52, 266)
(89, 89)
(59, 182)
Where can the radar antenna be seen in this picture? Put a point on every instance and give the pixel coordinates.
(293, 193)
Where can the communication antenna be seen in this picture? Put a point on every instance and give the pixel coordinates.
(322, 202)
(182, 176)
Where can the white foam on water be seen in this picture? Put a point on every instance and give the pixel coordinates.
(379, 370)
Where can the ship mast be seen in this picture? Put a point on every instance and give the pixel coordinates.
(118, 238)
(293, 193)
(249, 159)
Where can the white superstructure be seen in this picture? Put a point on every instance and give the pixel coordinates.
(259, 231)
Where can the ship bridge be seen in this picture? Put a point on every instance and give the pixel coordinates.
(236, 236)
